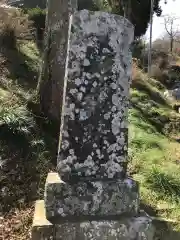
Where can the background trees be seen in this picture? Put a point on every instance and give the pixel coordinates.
(171, 29)
(137, 11)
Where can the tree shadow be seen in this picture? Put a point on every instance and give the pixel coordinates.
(46, 124)
(163, 229)
(143, 127)
(154, 101)
(24, 165)
(165, 185)
(155, 96)
(20, 68)
(155, 121)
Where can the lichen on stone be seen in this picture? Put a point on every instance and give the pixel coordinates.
(92, 198)
(96, 102)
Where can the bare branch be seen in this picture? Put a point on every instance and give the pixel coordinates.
(170, 25)
(166, 26)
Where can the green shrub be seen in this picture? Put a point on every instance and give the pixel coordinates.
(138, 48)
(38, 16)
(17, 120)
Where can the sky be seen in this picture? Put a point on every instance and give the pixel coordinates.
(171, 8)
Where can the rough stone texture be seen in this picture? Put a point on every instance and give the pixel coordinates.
(139, 228)
(94, 200)
(90, 199)
(53, 67)
(136, 228)
(93, 139)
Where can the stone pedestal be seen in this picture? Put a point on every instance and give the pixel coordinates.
(94, 200)
(123, 228)
(91, 196)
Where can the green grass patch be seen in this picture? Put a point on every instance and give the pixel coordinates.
(163, 182)
(151, 150)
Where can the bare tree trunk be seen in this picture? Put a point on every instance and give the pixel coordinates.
(169, 23)
(51, 80)
(126, 6)
(171, 44)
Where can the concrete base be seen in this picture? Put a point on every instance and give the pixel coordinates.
(41, 229)
(134, 228)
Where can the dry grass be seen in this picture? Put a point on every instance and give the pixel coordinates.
(136, 72)
(16, 20)
(17, 225)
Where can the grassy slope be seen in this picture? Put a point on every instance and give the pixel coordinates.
(27, 151)
(154, 149)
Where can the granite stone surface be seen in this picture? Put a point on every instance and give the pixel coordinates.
(139, 228)
(89, 199)
(94, 126)
(132, 228)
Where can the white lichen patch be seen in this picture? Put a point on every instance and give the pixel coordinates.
(112, 168)
(73, 91)
(83, 89)
(86, 62)
(95, 145)
(71, 151)
(89, 162)
(65, 145)
(83, 115)
(107, 116)
(95, 84)
(88, 76)
(79, 96)
(78, 81)
(113, 85)
(98, 152)
(65, 133)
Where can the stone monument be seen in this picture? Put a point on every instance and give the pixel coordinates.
(51, 79)
(91, 196)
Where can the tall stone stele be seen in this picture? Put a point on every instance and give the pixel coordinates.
(91, 196)
(51, 80)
